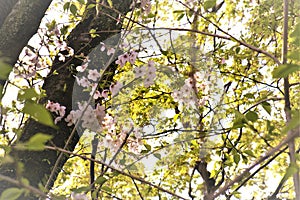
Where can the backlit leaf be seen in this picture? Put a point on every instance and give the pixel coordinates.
(37, 142)
(39, 113)
(11, 194)
(284, 70)
(251, 116)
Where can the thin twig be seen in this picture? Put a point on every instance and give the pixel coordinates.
(27, 187)
(271, 152)
(116, 170)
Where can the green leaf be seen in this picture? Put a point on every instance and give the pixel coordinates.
(270, 128)
(100, 180)
(293, 123)
(239, 120)
(81, 1)
(157, 155)
(92, 5)
(291, 170)
(284, 70)
(175, 117)
(37, 142)
(251, 116)
(73, 9)
(11, 194)
(236, 158)
(81, 189)
(209, 4)
(5, 70)
(27, 94)
(66, 6)
(180, 16)
(250, 153)
(267, 107)
(110, 3)
(39, 113)
(133, 168)
(148, 147)
(107, 189)
(250, 96)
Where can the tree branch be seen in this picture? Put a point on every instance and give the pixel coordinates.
(115, 169)
(287, 106)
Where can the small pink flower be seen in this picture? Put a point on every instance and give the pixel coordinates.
(94, 75)
(115, 88)
(148, 81)
(57, 119)
(151, 63)
(110, 51)
(82, 67)
(97, 94)
(151, 72)
(104, 94)
(140, 71)
(100, 112)
(53, 107)
(62, 111)
(132, 57)
(84, 82)
(122, 59)
(102, 46)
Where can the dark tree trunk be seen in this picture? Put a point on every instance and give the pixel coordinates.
(19, 21)
(59, 86)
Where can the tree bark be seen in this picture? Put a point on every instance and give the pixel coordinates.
(6, 7)
(59, 86)
(19, 21)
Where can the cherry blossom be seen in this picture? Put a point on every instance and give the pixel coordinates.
(84, 82)
(73, 117)
(108, 123)
(140, 71)
(94, 75)
(100, 113)
(82, 67)
(186, 94)
(151, 70)
(148, 81)
(132, 57)
(115, 88)
(122, 59)
(53, 107)
(58, 109)
(89, 119)
(135, 146)
(104, 94)
(110, 51)
(151, 74)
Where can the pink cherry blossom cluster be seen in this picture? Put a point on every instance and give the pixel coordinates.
(53, 36)
(188, 93)
(57, 109)
(114, 141)
(127, 57)
(91, 82)
(91, 118)
(31, 63)
(147, 72)
(98, 120)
